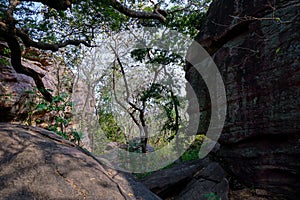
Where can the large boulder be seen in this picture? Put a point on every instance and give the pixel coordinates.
(208, 183)
(168, 183)
(256, 47)
(199, 179)
(38, 164)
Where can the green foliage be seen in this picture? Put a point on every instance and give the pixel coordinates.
(277, 50)
(142, 175)
(60, 105)
(186, 22)
(87, 19)
(84, 21)
(134, 146)
(6, 51)
(107, 120)
(212, 196)
(160, 95)
(76, 136)
(159, 56)
(193, 150)
(4, 56)
(4, 61)
(190, 155)
(59, 108)
(110, 126)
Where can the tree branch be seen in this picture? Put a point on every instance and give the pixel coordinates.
(122, 71)
(15, 49)
(125, 80)
(65, 4)
(28, 42)
(56, 4)
(12, 34)
(157, 14)
(14, 46)
(119, 102)
(12, 5)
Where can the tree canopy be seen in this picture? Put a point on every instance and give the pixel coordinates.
(54, 24)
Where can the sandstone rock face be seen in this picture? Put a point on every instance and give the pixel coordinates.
(19, 97)
(38, 164)
(256, 47)
(15, 88)
(13, 94)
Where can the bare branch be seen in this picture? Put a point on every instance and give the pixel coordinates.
(175, 102)
(119, 102)
(125, 81)
(28, 42)
(141, 124)
(122, 71)
(156, 72)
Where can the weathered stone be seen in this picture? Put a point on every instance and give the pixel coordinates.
(250, 195)
(38, 164)
(209, 183)
(13, 97)
(17, 90)
(111, 145)
(169, 182)
(256, 47)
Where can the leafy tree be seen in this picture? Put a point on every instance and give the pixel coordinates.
(51, 25)
(65, 24)
(107, 121)
(129, 88)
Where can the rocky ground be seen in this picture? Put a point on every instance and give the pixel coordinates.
(38, 164)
